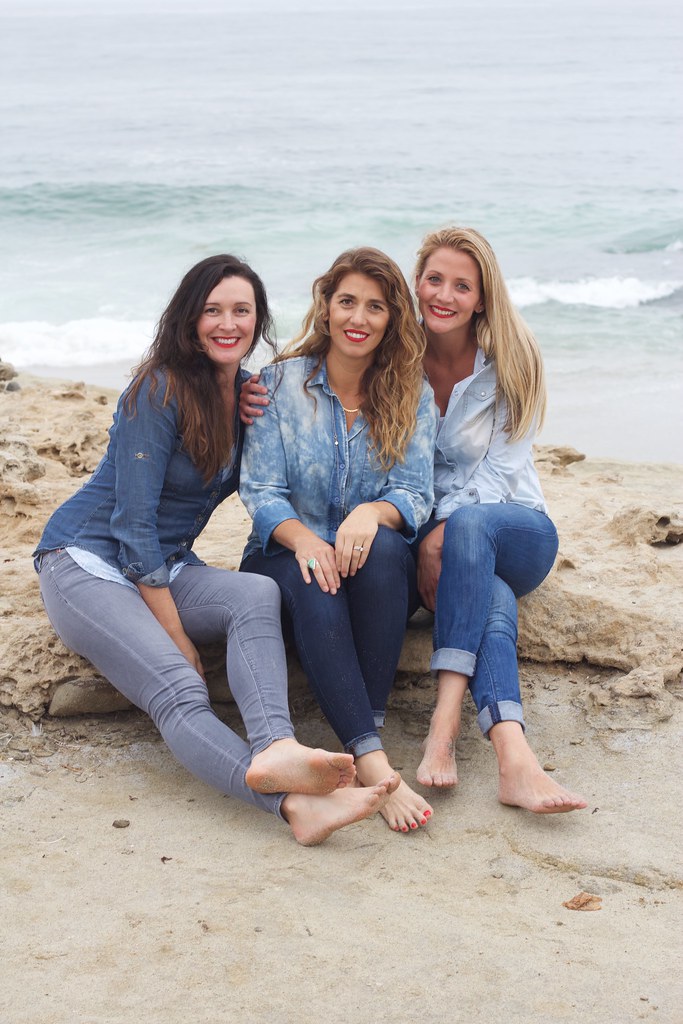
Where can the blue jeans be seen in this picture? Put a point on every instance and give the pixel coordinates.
(113, 628)
(492, 554)
(349, 643)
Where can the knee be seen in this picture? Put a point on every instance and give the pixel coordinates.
(260, 591)
(466, 532)
(388, 544)
(388, 565)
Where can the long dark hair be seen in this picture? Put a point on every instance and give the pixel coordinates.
(208, 434)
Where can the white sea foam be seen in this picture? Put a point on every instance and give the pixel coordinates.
(76, 343)
(604, 292)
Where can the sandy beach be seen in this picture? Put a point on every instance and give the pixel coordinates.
(201, 909)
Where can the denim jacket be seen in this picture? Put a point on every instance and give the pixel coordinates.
(474, 461)
(146, 502)
(300, 462)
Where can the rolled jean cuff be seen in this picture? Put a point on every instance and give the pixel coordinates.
(364, 744)
(502, 711)
(380, 718)
(450, 659)
(277, 807)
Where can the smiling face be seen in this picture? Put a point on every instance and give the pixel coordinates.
(358, 317)
(227, 323)
(449, 291)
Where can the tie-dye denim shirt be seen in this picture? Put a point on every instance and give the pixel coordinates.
(301, 462)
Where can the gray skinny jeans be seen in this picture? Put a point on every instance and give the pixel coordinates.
(113, 628)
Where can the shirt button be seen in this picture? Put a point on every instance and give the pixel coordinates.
(483, 394)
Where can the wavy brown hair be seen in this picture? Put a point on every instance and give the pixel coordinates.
(391, 386)
(500, 331)
(208, 434)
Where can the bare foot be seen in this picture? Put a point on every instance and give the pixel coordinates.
(288, 767)
(437, 767)
(404, 811)
(527, 785)
(313, 818)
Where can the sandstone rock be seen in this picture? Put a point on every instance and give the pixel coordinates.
(86, 696)
(613, 601)
(7, 371)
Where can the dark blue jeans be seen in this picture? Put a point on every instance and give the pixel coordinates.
(492, 554)
(349, 643)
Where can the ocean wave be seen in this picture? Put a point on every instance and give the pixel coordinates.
(155, 201)
(87, 343)
(76, 343)
(645, 240)
(604, 292)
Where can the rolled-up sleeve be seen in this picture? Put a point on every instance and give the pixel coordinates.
(263, 478)
(496, 478)
(145, 442)
(410, 484)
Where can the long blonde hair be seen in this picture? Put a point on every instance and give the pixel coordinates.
(500, 331)
(391, 386)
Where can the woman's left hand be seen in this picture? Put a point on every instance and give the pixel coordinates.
(429, 566)
(354, 538)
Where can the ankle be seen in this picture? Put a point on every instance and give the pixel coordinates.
(372, 767)
(444, 728)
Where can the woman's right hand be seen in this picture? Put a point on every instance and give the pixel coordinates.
(325, 572)
(429, 565)
(252, 397)
(188, 649)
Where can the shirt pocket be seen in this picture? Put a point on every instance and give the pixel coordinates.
(182, 476)
(468, 440)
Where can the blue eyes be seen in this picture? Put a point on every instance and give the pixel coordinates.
(461, 286)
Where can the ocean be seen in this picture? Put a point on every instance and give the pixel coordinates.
(139, 137)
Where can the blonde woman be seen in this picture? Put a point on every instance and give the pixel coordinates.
(337, 474)
(489, 540)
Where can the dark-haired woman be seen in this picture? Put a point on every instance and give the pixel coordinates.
(123, 588)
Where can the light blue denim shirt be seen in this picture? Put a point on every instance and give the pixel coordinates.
(146, 503)
(300, 462)
(474, 461)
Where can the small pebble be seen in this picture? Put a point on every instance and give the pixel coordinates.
(121, 823)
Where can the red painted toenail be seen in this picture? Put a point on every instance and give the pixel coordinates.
(428, 814)
(424, 821)
(404, 829)
(413, 824)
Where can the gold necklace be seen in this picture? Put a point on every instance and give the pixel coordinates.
(350, 410)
